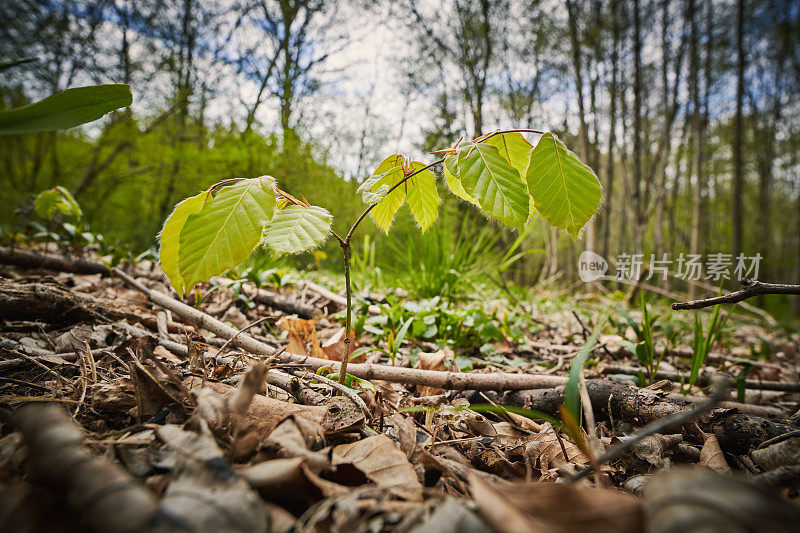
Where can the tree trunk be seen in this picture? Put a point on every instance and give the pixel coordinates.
(638, 207)
(738, 133)
(584, 128)
(612, 134)
(697, 122)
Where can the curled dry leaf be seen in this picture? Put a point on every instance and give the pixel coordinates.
(302, 334)
(334, 347)
(406, 434)
(444, 359)
(653, 448)
(452, 516)
(205, 492)
(296, 436)
(555, 508)
(339, 415)
(711, 455)
(380, 459)
(289, 483)
(546, 449)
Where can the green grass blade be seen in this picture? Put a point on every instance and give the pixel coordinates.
(571, 393)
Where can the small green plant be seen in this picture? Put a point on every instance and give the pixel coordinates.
(501, 173)
(645, 347)
(571, 409)
(702, 343)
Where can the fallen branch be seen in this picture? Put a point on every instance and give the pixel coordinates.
(49, 302)
(746, 408)
(703, 379)
(39, 354)
(410, 376)
(674, 420)
(750, 288)
(27, 259)
(283, 303)
(737, 433)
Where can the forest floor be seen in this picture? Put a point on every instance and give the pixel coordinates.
(119, 414)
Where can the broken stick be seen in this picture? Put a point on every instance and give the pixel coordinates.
(411, 376)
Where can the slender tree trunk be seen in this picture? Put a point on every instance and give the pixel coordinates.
(697, 122)
(586, 153)
(658, 229)
(185, 84)
(612, 133)
(738, 135)
(638, 207)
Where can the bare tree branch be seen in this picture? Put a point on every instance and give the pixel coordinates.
(749, 289)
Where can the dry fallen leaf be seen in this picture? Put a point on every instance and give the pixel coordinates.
(545, 449)
(302, 336)
(711, 455)
(442, 360)
(555, 508)
(334, 347)
(380, 459)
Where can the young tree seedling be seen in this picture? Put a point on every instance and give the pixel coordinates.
(501, 173)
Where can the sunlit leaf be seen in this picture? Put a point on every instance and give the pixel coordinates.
(423, 198)
(494, 183)
(388, 173)
(66, 109)
(297, 228)
(453, 181)
(514, 148)
(170, 238)
(565, 191)
(226, 230)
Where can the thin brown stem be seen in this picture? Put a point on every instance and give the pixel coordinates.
(749, 289)
(396, 185)
(349, 311)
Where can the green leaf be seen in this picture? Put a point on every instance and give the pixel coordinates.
(571, 392)
(565, 191)
(454, 182)
(514, 148)
(297, 228)
(494, 183)
(422, 197)
(66, 109)
(388, 173)
(50, 202)
(226, 230)
(170, 238)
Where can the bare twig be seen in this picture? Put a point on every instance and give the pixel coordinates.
(344, 389)
(749, 289)
(248, 326)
